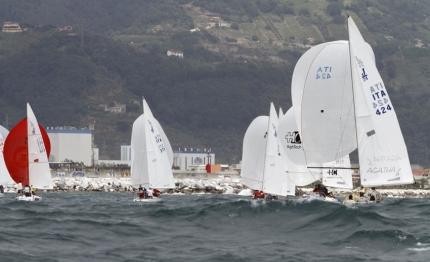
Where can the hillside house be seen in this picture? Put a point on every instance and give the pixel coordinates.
(214, 21)
(177, 53)
(66, 28)
(11, 27)
(117, 108)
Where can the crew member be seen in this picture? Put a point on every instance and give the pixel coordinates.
(27, 192)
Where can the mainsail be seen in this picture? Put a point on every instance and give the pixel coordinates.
(383, 155)
(151, 166)
(337, 173)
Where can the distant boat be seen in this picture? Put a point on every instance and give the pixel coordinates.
(151, 155)
(26, 153)
(5, 178)
(263, 168)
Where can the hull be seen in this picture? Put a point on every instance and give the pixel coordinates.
(1, 194)
(149, 200)
(313, 196)
(30, 198)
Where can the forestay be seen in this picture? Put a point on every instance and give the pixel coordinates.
(292, 151)
(151, 166)
(382, 151)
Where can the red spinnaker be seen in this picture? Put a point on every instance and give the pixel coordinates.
(16, 151)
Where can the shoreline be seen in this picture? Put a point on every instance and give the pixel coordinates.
(186, 186)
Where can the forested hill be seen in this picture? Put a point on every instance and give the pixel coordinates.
(230, 72)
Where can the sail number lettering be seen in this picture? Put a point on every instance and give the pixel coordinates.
(380, 101)
(162, 148)
(324, 72)
(332, 172)
(158, 140)
(41, 145)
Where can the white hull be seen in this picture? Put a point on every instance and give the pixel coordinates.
(30, 198)
(150, 200)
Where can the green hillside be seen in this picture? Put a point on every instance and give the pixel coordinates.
(230, 71)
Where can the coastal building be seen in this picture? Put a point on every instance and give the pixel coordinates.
(72, 144)
(177, 53)
(11, 27)
(125, 152)
(116, 108)
(184, 159)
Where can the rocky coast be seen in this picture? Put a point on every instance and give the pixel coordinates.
(220, 185)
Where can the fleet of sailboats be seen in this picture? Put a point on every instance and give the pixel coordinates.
(340, 104)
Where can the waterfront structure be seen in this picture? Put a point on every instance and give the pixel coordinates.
(72, 144)
(184, 159)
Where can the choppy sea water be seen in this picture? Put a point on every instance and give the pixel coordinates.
(110, 227)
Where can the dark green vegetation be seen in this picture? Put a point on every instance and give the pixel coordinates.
(229, 74)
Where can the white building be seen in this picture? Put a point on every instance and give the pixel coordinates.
(177, 53)
(184, 159)
(72, 144)
(125, 152)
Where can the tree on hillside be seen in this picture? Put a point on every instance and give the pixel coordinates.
(391, 69)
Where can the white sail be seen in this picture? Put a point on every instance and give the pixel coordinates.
(166, 141)
(382, 151)
(5, 178)
(281, 113)
(294, 156)
(262, 161)
(253, 153)
(323, 102)
(276, 180)
(338, 173)
(151, 166)
(38, 166)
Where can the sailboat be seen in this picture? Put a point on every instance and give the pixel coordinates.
(340, 104)
(262, 162)
(151, 155)
(332, 174)
(5, 178)
(26, 153)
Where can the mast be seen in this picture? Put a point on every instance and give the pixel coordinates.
(266, 136)
(353, 93)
